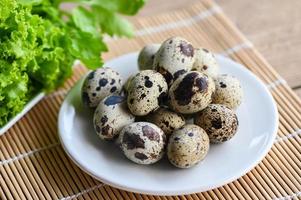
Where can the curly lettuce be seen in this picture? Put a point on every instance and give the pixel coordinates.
(39, 43)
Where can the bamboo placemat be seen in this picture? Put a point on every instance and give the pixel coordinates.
(34, 166)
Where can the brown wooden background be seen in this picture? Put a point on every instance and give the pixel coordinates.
(273, 26)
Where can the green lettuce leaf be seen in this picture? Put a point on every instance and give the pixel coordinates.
(39, 43)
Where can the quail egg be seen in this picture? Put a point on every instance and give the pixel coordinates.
(142, 142)
(146, 91)
(99, 84)
(175, 57)
(187, 146)
(191, 92)
(218, 121)
(167, 120)
(110, 116)
(205, 62)
(147, 55)
(127, 84)
(228, 91)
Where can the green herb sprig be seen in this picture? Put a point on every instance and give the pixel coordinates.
(39, 43)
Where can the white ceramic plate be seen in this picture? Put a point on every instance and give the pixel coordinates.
(258, 122)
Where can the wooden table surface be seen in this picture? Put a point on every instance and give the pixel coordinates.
(274, 27)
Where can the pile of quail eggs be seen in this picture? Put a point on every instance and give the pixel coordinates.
(177, 104)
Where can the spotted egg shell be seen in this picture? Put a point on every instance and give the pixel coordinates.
(99, 84)
(110, 116)
(142, 142)
(146, 56)
(218, 121)
(187, 146)
(205, 62)
(146, 91)
(167, 120)
(191, 92)
(175, 57)
(228, 91)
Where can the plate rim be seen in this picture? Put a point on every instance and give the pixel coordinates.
(192, 190)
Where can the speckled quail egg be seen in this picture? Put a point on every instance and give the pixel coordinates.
(187, 146)
(142, 142)
(127, 84)
(110, 116)
(147, 55)
(175, 57)
(205, 62)
(219, 122)
(228, 91)
(99, 84)
(146, 91)
(191, 92)
(167, 120)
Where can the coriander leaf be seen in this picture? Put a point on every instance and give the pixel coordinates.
(127, 7)
(84, 20)
(87, 48)
(111, 5)
(112, 23)
(130, 7)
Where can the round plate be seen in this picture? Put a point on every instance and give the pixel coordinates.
(258, 123)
